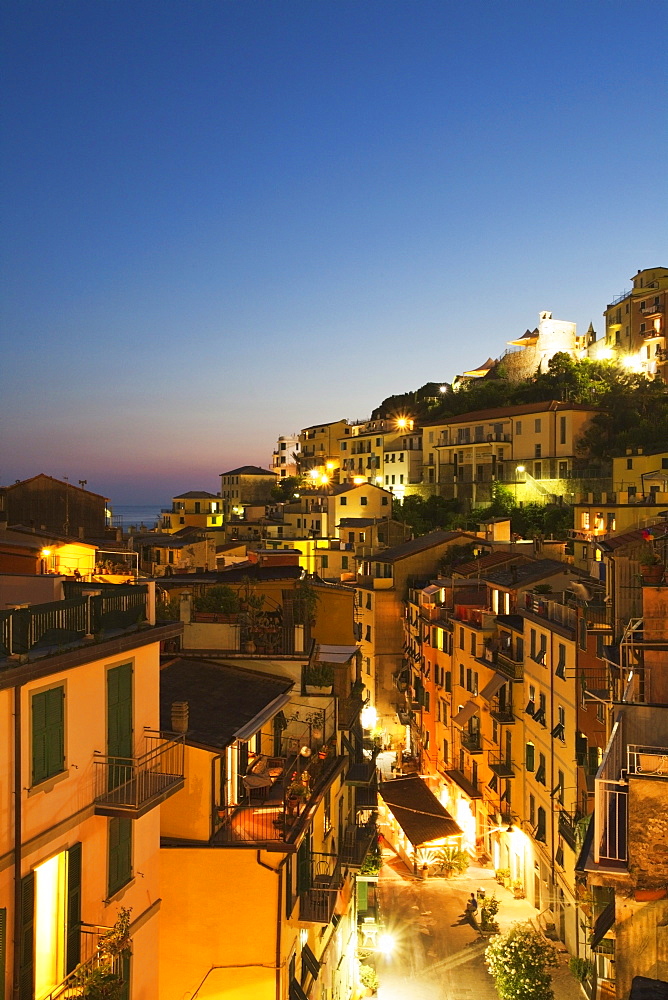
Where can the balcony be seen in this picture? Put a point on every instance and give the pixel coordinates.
(92, 957)
(514, 669)
(357, 842)
(553, 611)
(652, 309)
(501, 766)
(317, 901)
(503, 715)
(131, 786)
(472, 742)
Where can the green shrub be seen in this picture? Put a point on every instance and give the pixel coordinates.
(518, 962)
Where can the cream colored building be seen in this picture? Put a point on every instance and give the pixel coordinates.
(635, 323)
(195, 509)
(84, 770)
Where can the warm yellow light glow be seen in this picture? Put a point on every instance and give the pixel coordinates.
(369, 717)
(442, 388)
(466, 823)
(632, 362)
(379, 479)
(386, 944)
(46, 552)
(358, 480)
(605, 353)
(324, 479)
(314, 474)
(50, 919)
(519, 468)
(329, 465)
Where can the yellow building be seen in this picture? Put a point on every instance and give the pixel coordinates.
(195, 509)
(23, 551)
(319, 451)
(84, 767)
(246, 486)
(635, 323)
(266, 837)
(385, 451)
(530, 448)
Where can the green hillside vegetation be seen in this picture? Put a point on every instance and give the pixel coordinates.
(634, 408)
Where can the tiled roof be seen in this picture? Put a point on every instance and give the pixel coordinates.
(478, 566)
(509, 411)
(419, 544)
(417, 810)
(197, 495)
(221, 698)
(249, 470)
(529, 572)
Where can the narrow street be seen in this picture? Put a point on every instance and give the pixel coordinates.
(437, 954)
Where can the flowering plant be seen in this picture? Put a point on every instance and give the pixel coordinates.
(518, 961)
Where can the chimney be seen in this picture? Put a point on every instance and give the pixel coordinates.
(180, 714)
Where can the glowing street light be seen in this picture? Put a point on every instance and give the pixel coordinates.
(386, 944)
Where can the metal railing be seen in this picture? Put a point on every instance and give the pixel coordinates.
(507, 665)
(356, 843)
(647, 760)
(92, 958)
(127, 784)
(56, 624)
(611, 803)
(316, 904)
(472, 742)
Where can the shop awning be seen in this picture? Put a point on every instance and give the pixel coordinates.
(332, 654)
(491, 687)
(464, 714)
(417, 810)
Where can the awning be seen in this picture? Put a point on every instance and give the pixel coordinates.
(267, 713)
(466, 713)
(431, 589)
(643, 988)
(604, 922)
(464, 783)
(333, 654)
(490, 689)
(417, 810)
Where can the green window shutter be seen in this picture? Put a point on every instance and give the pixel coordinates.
(3, 951)
(48, 734)
(120, 853)
(304, 866)
(125, 972)
(362, 896)
(27, 942)
(119, 722)
(73, 940)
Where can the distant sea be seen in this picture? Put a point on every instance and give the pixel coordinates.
(126, 514)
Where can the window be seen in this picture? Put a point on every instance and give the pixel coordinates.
(561, 664)
(325, 562)
(343, 501)
(367, 636)
(538, 453)
(518, 426)
(537, 469)
(344, 562)
(540, 825)
(48, 734)
(364, 501)
(537, 425)
(448, 681)
(383, 503)
(629, 463)
(462, 675)
(540, 771)
(532, 810)
(530, 757)
(472, 681)
(368, 602)
(461, 638)
(562, 430)
(119, 857)
(445, 751)
(473, 643)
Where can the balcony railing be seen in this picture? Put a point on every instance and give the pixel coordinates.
(504, 715)
(46, 628)
(130, 786)
(357, 841)
(92, 958)
(472, 742)
(510, 667)
(648, 761)
(651, 309)
(561, 614)
(501, 766)
(317, 902)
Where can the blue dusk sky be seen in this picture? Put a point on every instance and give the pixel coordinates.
(224, 221)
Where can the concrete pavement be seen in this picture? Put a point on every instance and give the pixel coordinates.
(438, 954)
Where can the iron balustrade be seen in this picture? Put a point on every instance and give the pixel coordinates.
(647, 761)
(317, 902)
(131, 785)
(356, 843)
(92, 958)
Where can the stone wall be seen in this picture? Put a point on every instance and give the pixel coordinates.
(648, 831)
(641, 949)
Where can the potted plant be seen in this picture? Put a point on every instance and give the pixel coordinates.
(488, 910)
(501, 874)
(319, 678)
(518, 889)
(369, 979)
(651, 566)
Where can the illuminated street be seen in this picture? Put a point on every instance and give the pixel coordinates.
(437, 954)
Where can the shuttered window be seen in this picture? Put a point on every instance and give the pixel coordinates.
(27, 941)
(120, 853)
(48, 734)
(73, 940)
(3, 951)
(119, 723)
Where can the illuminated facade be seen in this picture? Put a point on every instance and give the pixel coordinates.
(635, 323)
(285, 457)
(319, 449)
(84, 770)
(195, 509)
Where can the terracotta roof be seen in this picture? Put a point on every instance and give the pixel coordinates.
(418, 544)
(479, 566)
(221, 698)
(634, 537)
(509, 411)
(249, 470)
(520, 575)
(417, 810)
(197, 494)
(61, 482)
